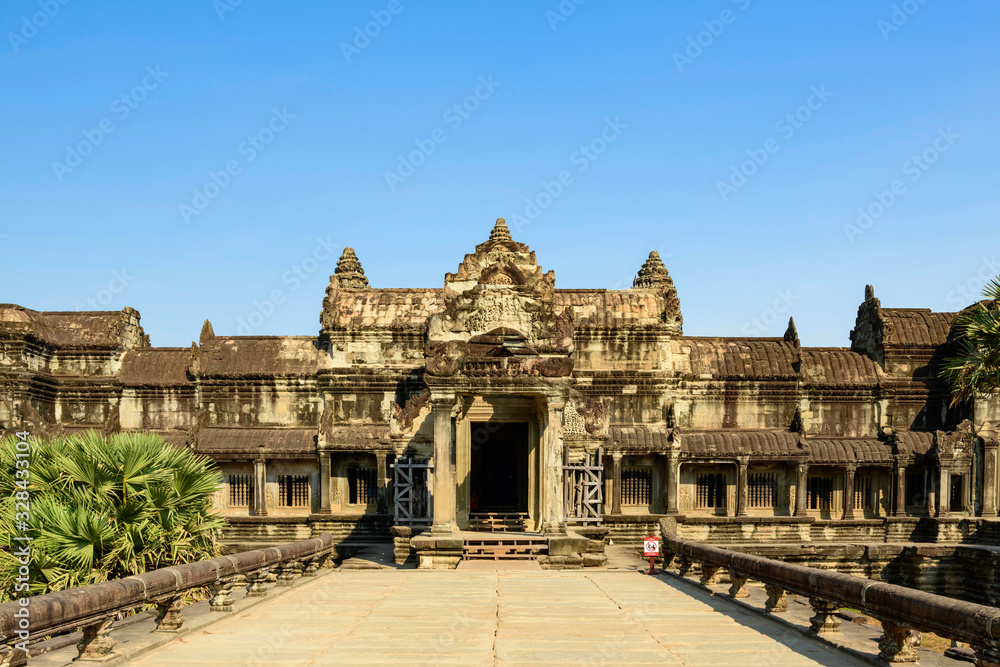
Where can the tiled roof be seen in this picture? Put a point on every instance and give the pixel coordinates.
(155, 367)
(252, 440)
(261, 356)
(915, 442)
(736, 442)
(643, 438)
(849, 450)
(826, 366)
(743, 358)
(95, 330)
(917, 327)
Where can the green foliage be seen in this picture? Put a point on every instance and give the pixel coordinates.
(105, 508)
(975, 370)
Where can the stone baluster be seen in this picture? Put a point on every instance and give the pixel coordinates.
(221, 600)
(825, 620)
(738, 585)
(897, 643)
(168, 614)
(257, 578)
(11, 656)
(96, 643)
(312, 565)
(709, 575)
(777, 602)
(683, 566)
(290, 572)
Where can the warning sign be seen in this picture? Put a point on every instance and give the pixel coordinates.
(651, 546)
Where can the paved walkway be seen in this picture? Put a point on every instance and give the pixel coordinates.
(506, 617)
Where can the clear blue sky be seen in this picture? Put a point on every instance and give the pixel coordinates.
(330, 121)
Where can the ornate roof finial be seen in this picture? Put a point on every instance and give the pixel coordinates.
(869, 292)
(500, 231)
(207, 333)
(349, 273)
(791, 334)
(653, 273)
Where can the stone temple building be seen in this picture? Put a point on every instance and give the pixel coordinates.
(499, 402)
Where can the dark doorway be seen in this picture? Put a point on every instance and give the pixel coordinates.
(499, 474)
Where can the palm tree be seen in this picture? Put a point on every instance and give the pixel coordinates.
(975, 370)
(104, 508)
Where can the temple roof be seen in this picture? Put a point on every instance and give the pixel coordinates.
(245, 441)
(917, 327)
(261, 356)
(849, 450)
(161, 366)
(744, 358)
(88, 329)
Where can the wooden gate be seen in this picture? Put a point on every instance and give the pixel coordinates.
(411, 491)
(584, 488)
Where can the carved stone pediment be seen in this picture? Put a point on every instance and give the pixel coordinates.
(500, 316)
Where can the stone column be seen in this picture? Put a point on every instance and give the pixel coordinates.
(673, 483)
(324, 483)
(260, 487)
(553, 508)
(849, 474)
(944, 490)
(380, 477)
(444, 474)
(900, 487)
(989, 477)
(801, 471)
(616, 483)
(741, 485)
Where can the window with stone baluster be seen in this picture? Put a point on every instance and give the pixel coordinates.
(636, 486)
(863, 492)
(240, 490)
(762, 489)
(293, 491)
(710, 490)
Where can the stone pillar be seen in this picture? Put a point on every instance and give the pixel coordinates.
(989, 477)
(260, 487)
(553, 508)
(616, 483)
(673, 483)
(801, 471)
(849, 474)
(741, 485)
(900, 487)
(944, 490)
(444, 474)
(324, 483)
(380, 477)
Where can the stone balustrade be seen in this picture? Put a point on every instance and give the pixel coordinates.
(94, 608)
(900, 610)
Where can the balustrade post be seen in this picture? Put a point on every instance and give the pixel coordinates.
(825, 621)
(897, 643)
(257, 578)
(738, 585)
(311, 567)
(709, 575)
(11, 656)
(97, 642)
(777, 602)
(289, 572)
(221, 600)
(683, 566)
(168, 614)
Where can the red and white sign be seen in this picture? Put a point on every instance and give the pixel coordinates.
(651, 546)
